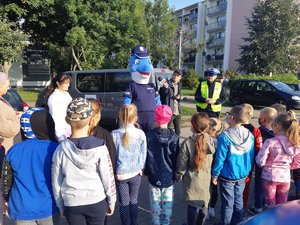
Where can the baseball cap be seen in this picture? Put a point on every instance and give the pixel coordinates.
(26, 124)
(140, 51)
(162, 114)
(79, 109)
(213, 72)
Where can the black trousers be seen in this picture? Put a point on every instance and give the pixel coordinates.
(209, 112)
(93, 214)
(176, 120)
(194, 217)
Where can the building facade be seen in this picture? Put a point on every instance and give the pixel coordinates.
(212, 33)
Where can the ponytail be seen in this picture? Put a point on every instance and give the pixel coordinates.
(200, 124)
(293, 132)
(200, 157)
(127, 115)
(126, 135)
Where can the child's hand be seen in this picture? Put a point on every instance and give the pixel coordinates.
(215, 180)
(5, 212)
(62, 214)
(110, 211)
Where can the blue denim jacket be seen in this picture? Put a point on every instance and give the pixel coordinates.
(130, 159)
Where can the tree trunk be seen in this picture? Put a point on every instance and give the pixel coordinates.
(6, 67)
(76, 59)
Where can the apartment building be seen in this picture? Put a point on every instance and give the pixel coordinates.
(212, 31)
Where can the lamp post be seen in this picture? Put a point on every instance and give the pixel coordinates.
(179, 54)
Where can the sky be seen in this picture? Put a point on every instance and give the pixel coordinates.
(178, 4)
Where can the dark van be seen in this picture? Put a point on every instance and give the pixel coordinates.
(108, 86)
(263, 93)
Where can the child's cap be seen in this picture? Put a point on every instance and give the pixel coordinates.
(25, 122)
(162, 114)
(79, 109)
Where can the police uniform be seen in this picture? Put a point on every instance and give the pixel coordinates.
(212, 90)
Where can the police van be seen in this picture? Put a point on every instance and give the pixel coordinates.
(108, 86)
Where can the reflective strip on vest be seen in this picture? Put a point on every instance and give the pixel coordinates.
(216, 95)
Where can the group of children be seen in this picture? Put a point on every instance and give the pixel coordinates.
(78, 178)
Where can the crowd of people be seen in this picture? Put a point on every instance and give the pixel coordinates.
(69, 166)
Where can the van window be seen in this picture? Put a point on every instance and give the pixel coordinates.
(117, 81)
(90, 82)
(249, 85)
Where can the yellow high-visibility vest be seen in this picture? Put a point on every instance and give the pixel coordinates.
(216, 95)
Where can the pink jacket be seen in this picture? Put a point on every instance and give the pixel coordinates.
(277, 159)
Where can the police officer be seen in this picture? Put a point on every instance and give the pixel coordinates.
(210, 94)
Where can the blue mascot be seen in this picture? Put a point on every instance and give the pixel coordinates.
(140, 92)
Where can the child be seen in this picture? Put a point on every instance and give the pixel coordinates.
(279, 108)
(257, 146)
(276, 157)
(82, 173)
(27, 172)
(233, 162)
(101, 133)
(131, 147)
(163, 147)
(216, 127)
(194, 168)
(265, 120)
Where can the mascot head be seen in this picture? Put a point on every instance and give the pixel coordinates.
(140, 65)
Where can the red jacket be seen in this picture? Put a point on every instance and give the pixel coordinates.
(257, 137)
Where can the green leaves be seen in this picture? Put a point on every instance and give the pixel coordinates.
(272, 27)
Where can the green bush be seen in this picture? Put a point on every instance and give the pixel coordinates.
(286, 77)
(190, 79)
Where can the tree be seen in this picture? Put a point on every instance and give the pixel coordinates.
(272, 27)
(12, 43)
(163, 28)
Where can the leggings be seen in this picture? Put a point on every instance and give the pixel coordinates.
(275, 192)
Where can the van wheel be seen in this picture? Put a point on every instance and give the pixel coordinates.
(235, 101)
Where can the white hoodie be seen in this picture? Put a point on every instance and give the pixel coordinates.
(82, 177)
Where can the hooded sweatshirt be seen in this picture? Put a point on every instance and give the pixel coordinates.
(276, 158)
(235, 154)
(82, 177)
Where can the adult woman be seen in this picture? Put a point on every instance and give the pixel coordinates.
(58, 100)
(10, 127)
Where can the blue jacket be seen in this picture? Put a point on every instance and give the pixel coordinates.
(31, 195)
(130, 159)
(235, 154)
(162, 151)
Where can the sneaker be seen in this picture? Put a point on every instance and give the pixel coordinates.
(211, 212)
(254, 211)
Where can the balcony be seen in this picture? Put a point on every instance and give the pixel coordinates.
(214, 58)
(218, 42)
(218, 26)
(190, 60)
(217, 10)
(193, 17)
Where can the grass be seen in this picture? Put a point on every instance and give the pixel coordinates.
(28, 96)
(188, 92)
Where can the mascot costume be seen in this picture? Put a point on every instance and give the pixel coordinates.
(140, 92)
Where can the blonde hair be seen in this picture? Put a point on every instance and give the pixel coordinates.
(287, 122)
(280, 108)
(127, 115)
(216, 127)
(200, 125)
(248, 111)
(269, 112)
(96, 115)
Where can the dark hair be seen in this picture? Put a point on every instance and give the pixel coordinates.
(179, 72)
(53, 85)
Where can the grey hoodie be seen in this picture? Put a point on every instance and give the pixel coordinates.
(82, 177)
(241, 137)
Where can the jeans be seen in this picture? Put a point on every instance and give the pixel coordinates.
(196, 216)
(93, 214)
(232, 201)
(258, 189)
(161, 200)
(176, 119)
(128, 195)
(51, 220)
